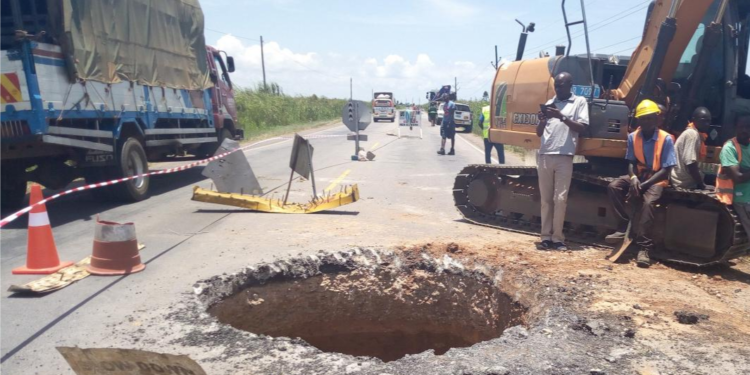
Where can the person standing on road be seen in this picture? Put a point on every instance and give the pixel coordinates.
(563, 118)
(484, 117)
(652, 157)
(690, 149)
(733, 181)
(432, 113)
(448, 127)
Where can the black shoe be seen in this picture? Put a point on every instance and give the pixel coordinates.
(560, 246)
(545, 245)
(441, 152)
(452, 152)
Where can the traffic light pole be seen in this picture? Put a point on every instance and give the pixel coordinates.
(356, 141)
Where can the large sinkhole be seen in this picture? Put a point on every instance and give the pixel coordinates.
(385, 313)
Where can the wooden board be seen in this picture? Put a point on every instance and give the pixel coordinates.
(59, 279)
(127, 362)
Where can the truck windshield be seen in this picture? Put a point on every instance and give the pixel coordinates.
(383, 103)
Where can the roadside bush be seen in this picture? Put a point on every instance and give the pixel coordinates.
(260, 108)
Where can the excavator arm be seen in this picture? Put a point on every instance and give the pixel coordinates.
(687, 15)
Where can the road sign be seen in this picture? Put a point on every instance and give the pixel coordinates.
(232, 173)
(301, 160)
(353, 109)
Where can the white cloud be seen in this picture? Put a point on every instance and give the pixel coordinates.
(328, 73)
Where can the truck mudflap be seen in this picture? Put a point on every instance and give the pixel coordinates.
(14, 96)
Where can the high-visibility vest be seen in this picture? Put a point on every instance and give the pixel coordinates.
(487, 122)
(724, 183)
(643, 170)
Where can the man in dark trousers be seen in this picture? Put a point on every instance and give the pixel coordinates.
(448, 127)
(484, 123)
(652, 157)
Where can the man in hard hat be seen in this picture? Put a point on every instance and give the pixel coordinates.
(561, 119)
(484, 124)
(690, 150)
(652, 157)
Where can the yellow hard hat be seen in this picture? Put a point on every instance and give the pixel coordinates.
(646, 107)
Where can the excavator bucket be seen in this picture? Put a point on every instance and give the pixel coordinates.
(347, 195)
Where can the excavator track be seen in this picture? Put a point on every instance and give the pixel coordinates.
(507, 198)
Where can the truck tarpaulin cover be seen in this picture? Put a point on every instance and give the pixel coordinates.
(152, 42)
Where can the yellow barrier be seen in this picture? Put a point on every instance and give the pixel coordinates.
(347, 195)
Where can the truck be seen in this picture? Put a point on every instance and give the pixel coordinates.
(383, 106)
(98, 100)
(692, 53)
(434, 95)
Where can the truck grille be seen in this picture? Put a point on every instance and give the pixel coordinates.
(11, 129)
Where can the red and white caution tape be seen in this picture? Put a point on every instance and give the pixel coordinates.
(20, 213)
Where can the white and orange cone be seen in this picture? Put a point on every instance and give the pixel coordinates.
(41, 253)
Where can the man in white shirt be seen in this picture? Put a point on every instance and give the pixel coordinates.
(564, 117)
(690, 148)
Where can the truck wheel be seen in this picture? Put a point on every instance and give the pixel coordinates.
(132, 161)
(13, 190)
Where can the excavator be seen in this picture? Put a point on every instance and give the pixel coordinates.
(692, 53)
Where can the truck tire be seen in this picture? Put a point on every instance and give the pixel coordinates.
(132, 162)
(13, 190)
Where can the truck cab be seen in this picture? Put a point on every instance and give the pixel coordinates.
(222, 95)
(383, 107)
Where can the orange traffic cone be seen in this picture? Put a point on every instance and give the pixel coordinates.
(115, 250)
(41, 253)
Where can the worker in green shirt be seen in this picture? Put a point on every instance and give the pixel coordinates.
(733, 181)
(484, 123)
(432, 113)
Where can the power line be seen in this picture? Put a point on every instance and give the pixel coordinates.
(236, 36)
(593, 27)
(596, 26)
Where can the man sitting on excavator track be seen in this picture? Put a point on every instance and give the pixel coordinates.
(652, 157)
(733, 181)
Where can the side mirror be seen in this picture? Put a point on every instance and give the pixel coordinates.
(230, 64)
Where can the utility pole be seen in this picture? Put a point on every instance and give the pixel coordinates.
(455, 84)
(496, 61)
(263, 63)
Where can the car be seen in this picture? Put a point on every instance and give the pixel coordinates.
(462, 117)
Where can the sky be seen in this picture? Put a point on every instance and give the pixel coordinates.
(407, 47)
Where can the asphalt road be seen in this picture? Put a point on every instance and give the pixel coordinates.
(405, 199)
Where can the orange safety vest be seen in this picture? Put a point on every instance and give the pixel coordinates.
(724, 183)
(644, 171)
(704, 136)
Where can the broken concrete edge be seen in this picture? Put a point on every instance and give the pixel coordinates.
(213, 290)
